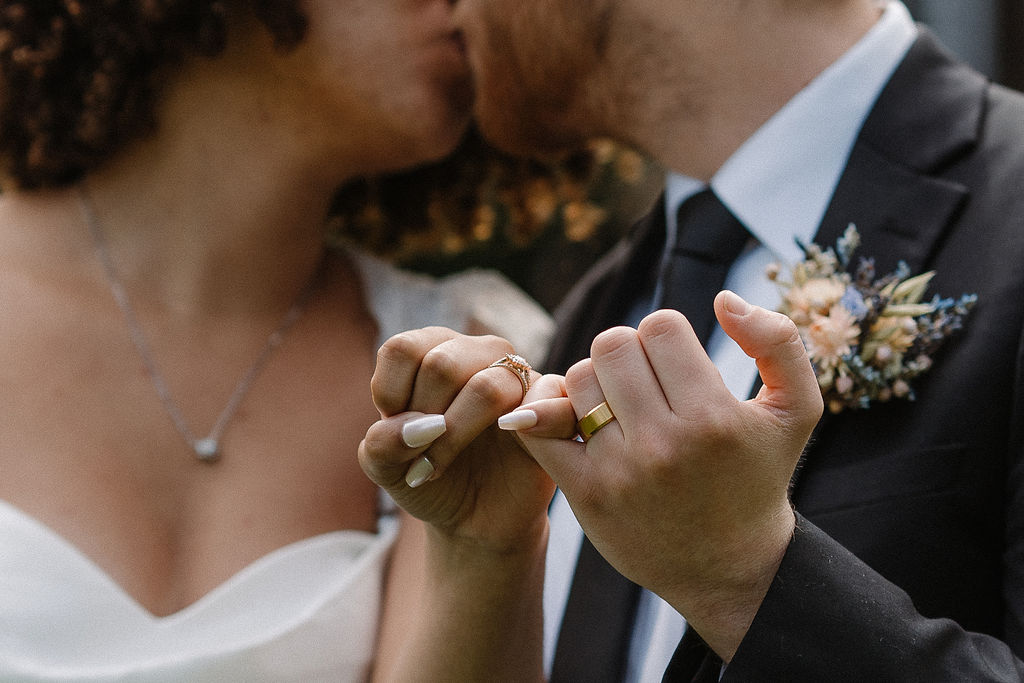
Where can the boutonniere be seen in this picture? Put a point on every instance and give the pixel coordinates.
(867, 337)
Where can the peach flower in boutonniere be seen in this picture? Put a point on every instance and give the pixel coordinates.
(867, 337)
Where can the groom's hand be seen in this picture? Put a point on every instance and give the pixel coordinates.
(686, 491)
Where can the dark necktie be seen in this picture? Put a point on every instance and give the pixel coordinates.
(593, 642)
(709, 238)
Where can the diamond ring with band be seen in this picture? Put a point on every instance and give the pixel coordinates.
(598, 417)
(518, 366)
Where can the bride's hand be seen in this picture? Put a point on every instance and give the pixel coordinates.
(436, 449)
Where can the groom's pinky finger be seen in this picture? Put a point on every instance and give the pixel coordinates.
(554, 443)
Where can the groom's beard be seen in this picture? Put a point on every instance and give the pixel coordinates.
(534, 61)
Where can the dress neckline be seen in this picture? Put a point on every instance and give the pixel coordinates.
(86, 567)
(63, 550)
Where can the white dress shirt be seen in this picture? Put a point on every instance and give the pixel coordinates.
(778, 184)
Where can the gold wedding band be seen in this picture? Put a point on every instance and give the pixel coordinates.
(518, 366)
(594, 420)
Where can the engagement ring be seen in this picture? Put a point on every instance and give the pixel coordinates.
(518, 366)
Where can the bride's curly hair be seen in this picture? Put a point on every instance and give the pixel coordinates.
(79, 78)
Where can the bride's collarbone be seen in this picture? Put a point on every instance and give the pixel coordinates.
(88, 450)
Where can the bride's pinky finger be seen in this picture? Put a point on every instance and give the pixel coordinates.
(551, 418)
(545, 386)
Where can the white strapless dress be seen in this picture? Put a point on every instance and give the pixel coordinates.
(305, 612)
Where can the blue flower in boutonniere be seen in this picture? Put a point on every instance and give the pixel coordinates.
(867, 337)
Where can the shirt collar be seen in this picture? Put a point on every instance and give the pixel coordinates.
(780, 181)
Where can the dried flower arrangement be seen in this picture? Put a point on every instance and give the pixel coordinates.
(867, 337)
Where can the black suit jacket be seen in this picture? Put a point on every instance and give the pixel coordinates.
(908, 564)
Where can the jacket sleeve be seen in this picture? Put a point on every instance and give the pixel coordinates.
(828, 616)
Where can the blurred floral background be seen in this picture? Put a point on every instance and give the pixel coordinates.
(540, 224)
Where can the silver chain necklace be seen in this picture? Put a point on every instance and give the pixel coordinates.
(207, 449)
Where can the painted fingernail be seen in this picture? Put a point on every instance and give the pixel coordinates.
(735, 305)
(423, 430)
(518, 419)
(419, 472)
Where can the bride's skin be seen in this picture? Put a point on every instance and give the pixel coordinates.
(488, 509)
(214, 224)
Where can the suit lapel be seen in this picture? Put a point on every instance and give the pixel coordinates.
(927, 116)
(892, 190)
(900, 214)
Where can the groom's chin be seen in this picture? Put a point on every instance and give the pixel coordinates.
(518, 130)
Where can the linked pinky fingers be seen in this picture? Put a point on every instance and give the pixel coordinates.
(551, 418)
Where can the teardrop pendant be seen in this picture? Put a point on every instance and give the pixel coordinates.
(207, 450)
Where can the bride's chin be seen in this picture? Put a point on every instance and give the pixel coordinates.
(449, 126)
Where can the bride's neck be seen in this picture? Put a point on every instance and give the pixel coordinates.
(206, 243)
(228, 212)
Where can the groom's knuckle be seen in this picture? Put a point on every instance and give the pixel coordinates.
(613, 343)
(783, 338)
(579, 376)
(663, 323)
